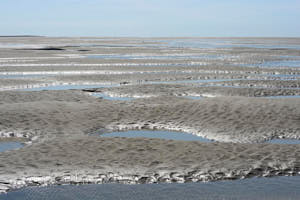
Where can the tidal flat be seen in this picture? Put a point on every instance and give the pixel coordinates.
(57, 94)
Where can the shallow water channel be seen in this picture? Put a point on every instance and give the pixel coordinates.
(276, 188)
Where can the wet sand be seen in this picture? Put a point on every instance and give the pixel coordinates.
(233, 119)
(101, 160)
(59, 124)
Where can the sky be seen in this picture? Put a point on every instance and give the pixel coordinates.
(151, 18)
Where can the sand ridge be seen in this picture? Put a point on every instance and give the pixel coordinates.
(88, 159)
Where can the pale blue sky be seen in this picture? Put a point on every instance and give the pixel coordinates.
(150, 17)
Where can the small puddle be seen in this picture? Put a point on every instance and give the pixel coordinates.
(167, 135)
(6, 146)
(283, 141)
(275, 188)
(104, 96)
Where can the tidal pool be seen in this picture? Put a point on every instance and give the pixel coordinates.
(173, 135)
(6, 146)
(276, 188)
(167, 135)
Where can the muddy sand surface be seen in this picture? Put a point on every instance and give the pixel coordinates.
(58, 127)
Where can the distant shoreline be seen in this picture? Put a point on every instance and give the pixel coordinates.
(21, 36)
(156, 37)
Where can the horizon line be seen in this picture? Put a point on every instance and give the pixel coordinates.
(49, 36)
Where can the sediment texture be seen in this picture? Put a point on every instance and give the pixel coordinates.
(59, 126)
(101, 160)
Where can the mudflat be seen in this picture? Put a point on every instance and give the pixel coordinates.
(59, 126)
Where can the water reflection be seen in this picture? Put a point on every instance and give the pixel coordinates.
(284, 141)
(168, 135)
(277, 188)
(6, 146)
